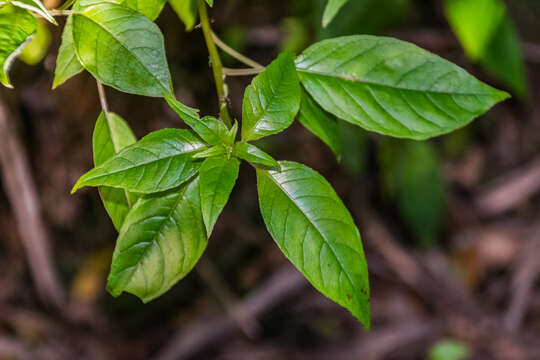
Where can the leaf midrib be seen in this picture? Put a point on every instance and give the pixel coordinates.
(393, 87)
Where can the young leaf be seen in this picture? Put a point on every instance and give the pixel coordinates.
(216, 150)
(187, 11)
(254, 155)
(218, 176)
(210, 129)
(112, 134)
(272, 100)
(67, 64)
(16, 28)
(320, 123)
(150, 8)
(37, 48)
(160, 161)
(121, 48)
(490, 39)
(392, 87)
(35, 6)
(161, 240)
(315, 231)
(331, 10)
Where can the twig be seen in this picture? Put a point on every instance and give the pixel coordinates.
(235, 54)
(217, 66)
(510, 190)
(241, 72)
(201, 333)
(523, 281)
(21, 191)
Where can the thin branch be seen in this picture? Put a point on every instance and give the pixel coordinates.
(102, 97)
(242, 72)
(217, 66)
(235, 54)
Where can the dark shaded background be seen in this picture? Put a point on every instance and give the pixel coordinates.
(451, 229)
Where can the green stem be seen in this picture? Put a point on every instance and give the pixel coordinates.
(235, 54)
(217, 67)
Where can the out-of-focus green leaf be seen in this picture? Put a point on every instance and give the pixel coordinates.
(272, 100)
(489, 39)
(161, 240)
(331, 10)
(187, 11)
(218, 176)
(160, 161)
(354, 143)
(449, 350)
(37, 48)
(320, 123)
(420, 189)
(17, 26)
(392, 87)
(315, 231)
(112, 134)
(121, 48)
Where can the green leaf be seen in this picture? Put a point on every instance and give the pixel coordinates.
(150, 8)
(161, 240)
(253, 154)
(37, 48)
(392, 87)
(218, 176)
(213, 151)
(112, 134)
(121, 48)
(16, 29)
(160, 161)
(187, 11)
(315, 231)
(332, 8)
(67, 64)
(35, 6)
(490, 39)
(449, 349)
(210, 2)
(272, 100)
(320, 123)
(210, 129)
(421, 190)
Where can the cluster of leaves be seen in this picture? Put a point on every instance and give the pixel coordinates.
(165, 192)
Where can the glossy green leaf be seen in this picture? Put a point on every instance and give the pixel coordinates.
(35, 6)
(392, 87)
(187, 11)
(320, 123)
(254, 155)
(490, 39)
(210, 2)
(331, 10)
(210, 129)
(216, 150)
(315, 231)
(272, 100)
(160, 161)
(112, 134)
(150, 8)
(161, 240)
(121, 48)
(67, 64)
(218, 176)
(17, 26)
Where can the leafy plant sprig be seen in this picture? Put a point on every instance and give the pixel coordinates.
(165, 192)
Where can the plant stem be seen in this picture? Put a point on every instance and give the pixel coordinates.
(235, 54)
(217, 67)
(61, 12)
(242, 72)
(102, 97)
